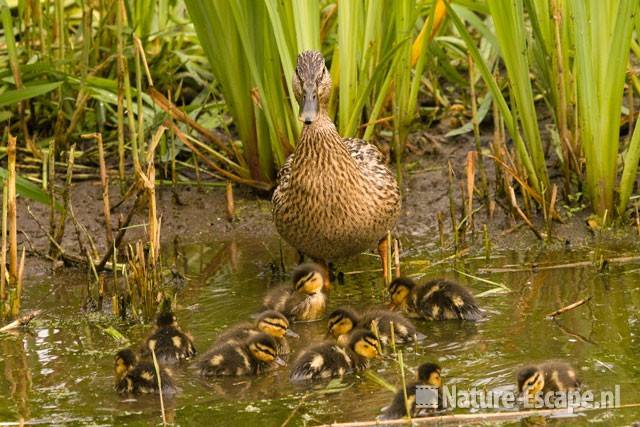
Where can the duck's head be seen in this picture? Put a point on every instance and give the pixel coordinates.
(125, 361)
(264, 348)
(341, 322)
(429, 374)
(399, 290)
(530, 381)
(274, 323)
(166, 318)
(311, 85)
(309, 278)
(364, 343)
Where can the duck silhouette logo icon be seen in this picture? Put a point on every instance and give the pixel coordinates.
(426, 397)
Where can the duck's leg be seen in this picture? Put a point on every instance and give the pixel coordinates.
(383, 250)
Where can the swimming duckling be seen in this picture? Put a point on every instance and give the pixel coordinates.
(343, 320)
(170, 344)
(428, 374)
(140, 377)
(546, 377)
(435, 300)
(254, 356)
(306, 299)
(332, 360)
(270, 322)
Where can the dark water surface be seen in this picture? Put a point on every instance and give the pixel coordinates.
(61, 371)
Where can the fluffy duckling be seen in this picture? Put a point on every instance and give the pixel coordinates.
(428, 374)
(140, 377)
(254, 356)
(343, 320)
(306, 299)
(271, 322)
(546, 377)
(332, 360)
(170, 344)
(435, 300)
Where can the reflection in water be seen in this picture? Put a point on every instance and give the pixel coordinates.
(17, 374)
(71, 360)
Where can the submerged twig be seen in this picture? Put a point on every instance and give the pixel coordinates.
(567, 308)
(22, 321)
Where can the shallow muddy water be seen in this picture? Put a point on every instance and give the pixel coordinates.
(60, 372)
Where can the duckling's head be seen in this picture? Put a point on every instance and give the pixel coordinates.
(166, 318)
(309, 278)
(399, 290)
(311, 85)
(341, 322)
(124, 362)
(264, 348)
(364, 343)
(273, 323)
(429, 373)
(530, 381)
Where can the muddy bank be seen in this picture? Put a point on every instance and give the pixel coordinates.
(199, 214)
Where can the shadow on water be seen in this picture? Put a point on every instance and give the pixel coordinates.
(61, 370)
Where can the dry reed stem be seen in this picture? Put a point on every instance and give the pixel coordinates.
(11, 211)
(471, 177)
(231, 210)
(15, 305)
(3, 251)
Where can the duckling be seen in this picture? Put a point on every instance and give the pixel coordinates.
(428, 374)
(551, 376)
(170, 344)
(306, 299)
(254, 356)
(435, 300)
(140, 377)
(343, 320)
(271, 322)
(332, 360)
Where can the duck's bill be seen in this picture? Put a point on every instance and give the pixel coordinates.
(291, 334)
(309, 110)
(280, 361)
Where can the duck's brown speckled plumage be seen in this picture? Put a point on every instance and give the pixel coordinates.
(335, 197)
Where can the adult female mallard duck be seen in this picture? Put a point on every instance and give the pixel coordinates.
(343, 320)
(551, 376)
(170, 344)
(435, 300)
(328, 360)
(140, 377)
(271, 322)
(305, 300)
(335, 196)
(429, 375)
